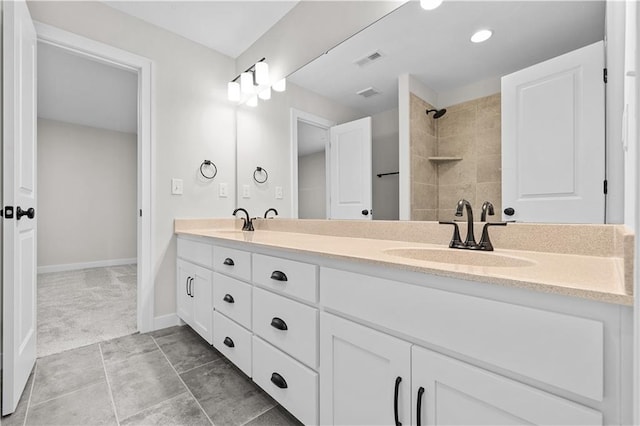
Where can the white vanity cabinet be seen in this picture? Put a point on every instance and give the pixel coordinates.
(194, 288)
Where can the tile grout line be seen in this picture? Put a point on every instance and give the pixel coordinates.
(64, 394)
(202, 365)
(106, 377)
(33, 384)
(264, 412)
(182, 381)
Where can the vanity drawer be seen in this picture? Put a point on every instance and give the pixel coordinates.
(272, 368)
(236, 263)
(195, 252)
(232, 298)
(558, 349)
(232, 341)
(295, 279)
(273, 313)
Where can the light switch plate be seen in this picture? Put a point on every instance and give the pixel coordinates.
(278, 193)
(246, 191)
(177, 186)
(223, 190)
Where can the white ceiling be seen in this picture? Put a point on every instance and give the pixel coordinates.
(434, 46)
(311, 139)
(230, 27)
(78, 90)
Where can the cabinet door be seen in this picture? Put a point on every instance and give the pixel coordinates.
(359, 372)
(456, 393)
(201, 293)
(183, 284)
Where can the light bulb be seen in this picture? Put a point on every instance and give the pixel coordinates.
(482, 35)
(252, 101)
(430, 4)
(262, 73)
(265, 94)
(246, 83)
(280, 86)
(233, 91)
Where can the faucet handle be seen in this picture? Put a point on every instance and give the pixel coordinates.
(485, 241)
(455, 239)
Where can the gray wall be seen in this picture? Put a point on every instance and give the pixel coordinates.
(312, 186)
(87, 194)
(384, 152)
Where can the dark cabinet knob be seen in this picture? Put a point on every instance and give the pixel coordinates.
(365, 212)
(279, 324)
(279, 381)
(228, 342)
(228, 298)
(228, 261)
(509, 211)
(278, 276)
(30, 213)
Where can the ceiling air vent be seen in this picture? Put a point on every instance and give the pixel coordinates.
(368, 92)
(369, 59)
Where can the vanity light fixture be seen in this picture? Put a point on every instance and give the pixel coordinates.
(252, 101)
(280, 86)
(481, 35)
(233, 91)
(252, 84)
(430, 4)
(265, 94)
(262, 73)
(246, 83)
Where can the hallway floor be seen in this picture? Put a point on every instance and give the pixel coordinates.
(168, 377)
(78, 308)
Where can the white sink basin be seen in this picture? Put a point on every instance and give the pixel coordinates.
(460, 257)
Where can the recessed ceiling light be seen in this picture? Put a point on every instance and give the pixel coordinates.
(430, 4)
(481, 35)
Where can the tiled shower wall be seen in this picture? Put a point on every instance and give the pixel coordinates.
(470, 130)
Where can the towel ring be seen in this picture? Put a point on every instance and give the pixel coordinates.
(257, 172)
(210, 165)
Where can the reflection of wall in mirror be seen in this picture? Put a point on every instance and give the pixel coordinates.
(384, 157)
(312, 186)
(470, 130)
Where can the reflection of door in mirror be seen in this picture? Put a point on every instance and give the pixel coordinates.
(312, 164)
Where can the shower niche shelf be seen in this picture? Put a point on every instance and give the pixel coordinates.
(444, 159)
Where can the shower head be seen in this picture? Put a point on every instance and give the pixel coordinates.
(438, 112)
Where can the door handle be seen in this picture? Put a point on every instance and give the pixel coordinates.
(365, 212)
(228, 298)
(30, 213)
(395, 400)
(228, 342)
(279, 324)
(278, 276)
(186, 286)
(278, 380)
(229, 261)
(419, 408)
(509, 211)
(190, 286)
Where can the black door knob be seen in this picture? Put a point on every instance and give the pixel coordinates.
(365, 212)
(509, 211)
(30, 213)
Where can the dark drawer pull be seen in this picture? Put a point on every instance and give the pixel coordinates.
(396, 392)
(279, 324)
(228, 298)
(228, 342)
(419, 409)
(278, 276)
(228, 261)
(279, 381)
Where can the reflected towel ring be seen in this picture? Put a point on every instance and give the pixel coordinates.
(210, 165)
(259, 170)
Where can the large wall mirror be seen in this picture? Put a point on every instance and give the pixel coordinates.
(410, 62)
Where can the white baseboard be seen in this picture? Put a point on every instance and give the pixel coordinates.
(166, 321)
(85, 265)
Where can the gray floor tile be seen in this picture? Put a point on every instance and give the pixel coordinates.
(277, 416)
(167, 331)
(117, 350)
(18, 416)
(179, 410)
(185, 349)
(67, 372)
(226, 395)
(142, 381)
(90, 406)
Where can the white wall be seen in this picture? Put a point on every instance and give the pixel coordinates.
(630, 130)
(264, 139)
(87, 194)
(192, 121)
(312, 186)
(385, 160)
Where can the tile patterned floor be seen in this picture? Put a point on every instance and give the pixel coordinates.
(168, 377)
(78, 308)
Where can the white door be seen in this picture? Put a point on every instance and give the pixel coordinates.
(450, 392)
(365, 375)
(201, 292)
(553, 140)
(19, 193)
(184, 300)
(350, 174)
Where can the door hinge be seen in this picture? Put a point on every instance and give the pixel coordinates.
(8, 212)
(605, 186)
(604, 74)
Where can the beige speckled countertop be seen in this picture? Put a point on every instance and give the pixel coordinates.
(599, 272)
